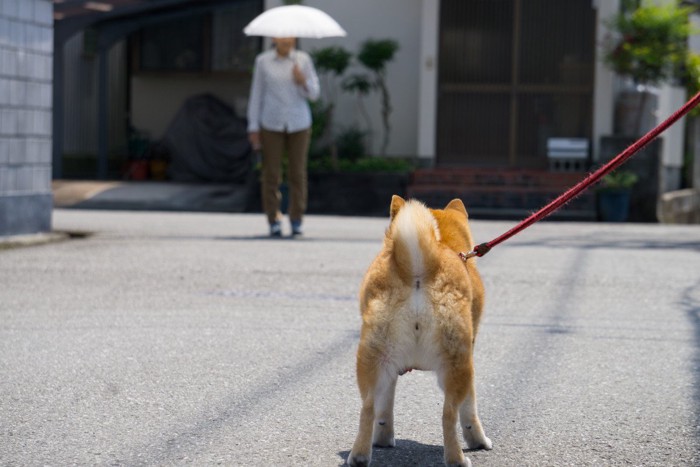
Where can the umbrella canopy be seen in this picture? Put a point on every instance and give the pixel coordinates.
(294, 21)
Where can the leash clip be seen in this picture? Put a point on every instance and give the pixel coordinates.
(479, 250)
(465, 256)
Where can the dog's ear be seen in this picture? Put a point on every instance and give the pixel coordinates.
(397, 203)
(457, 205)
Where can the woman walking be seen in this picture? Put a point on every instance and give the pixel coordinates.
(279, 122)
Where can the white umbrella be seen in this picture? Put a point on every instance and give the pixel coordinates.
(294, 21)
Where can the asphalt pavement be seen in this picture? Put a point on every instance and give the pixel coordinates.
(171, 338)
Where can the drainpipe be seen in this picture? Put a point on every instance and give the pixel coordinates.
(57, 112)
(102, 112)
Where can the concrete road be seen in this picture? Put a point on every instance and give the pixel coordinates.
(190, 339)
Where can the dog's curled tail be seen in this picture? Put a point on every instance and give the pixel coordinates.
(414, 238)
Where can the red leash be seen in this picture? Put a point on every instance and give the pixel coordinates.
(571, 193)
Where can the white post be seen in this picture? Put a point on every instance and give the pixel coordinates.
(427, 92)
(694, 44)
(604, 81)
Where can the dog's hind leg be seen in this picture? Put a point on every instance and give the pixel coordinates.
(455, 392)
(384, 410)
(469, 419)
(367, 373)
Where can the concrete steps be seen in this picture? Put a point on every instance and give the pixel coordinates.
(501, 193)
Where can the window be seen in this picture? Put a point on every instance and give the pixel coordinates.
(200, 43)
(173, 46)
(231, 49)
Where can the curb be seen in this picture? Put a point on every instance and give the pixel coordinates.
(19, 241)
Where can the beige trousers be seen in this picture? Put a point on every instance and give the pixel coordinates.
(274, 145)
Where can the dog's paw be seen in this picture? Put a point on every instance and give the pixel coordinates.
(476, 439)
(384, 439)
(465, 463)
(388, 443)
(359, 460)
(485, 443)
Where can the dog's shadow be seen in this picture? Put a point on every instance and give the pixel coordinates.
(406, 452)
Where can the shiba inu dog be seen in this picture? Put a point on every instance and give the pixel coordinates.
(421, 305)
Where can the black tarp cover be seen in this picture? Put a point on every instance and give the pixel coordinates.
(207, 141)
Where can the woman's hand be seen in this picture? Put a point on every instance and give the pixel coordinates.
(254, 139)
(299, 77)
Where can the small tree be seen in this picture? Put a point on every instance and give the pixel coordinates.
(361, 86)
(331, 63)
(375, 54)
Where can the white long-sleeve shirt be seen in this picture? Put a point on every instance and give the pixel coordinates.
(276, 102)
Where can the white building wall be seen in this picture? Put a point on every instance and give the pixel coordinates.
(26, 51)
(671, 98)
(604, 80)
(428, 72)
(400, 20)
(413, 75)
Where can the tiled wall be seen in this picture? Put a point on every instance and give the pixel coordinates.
(26, 53)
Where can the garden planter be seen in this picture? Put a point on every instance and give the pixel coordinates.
(352, 194)
(357, 194)
(613, 205)
(647, 165)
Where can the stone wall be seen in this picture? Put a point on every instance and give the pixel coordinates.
(680, 207)
(26, 53)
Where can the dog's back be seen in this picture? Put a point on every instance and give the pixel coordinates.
(396, 296)
(418, 304)
(418, 285)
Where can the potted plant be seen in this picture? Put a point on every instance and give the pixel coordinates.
(649, 48)
(614, 195)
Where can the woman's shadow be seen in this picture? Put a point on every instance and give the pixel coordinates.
(405, 453)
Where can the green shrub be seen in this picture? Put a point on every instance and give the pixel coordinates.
(651, 46)
(619, 180)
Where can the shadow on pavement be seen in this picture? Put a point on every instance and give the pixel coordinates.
(691, 302)
(189, 434)
(249, 238)
(406, 453)
(620, 243)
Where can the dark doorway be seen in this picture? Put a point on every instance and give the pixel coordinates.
(512, 74)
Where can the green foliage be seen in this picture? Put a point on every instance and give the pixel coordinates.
(375, 54)
(331, 63)
(692, 78)
(331, 60)
(361, 165)
(379, 164)
(619, 180)
(318, 119)
(351, 145)
(652, 42)
(359, 83)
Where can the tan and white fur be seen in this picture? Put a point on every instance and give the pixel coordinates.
(421, 306)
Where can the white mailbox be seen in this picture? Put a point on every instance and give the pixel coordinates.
(568, 154)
